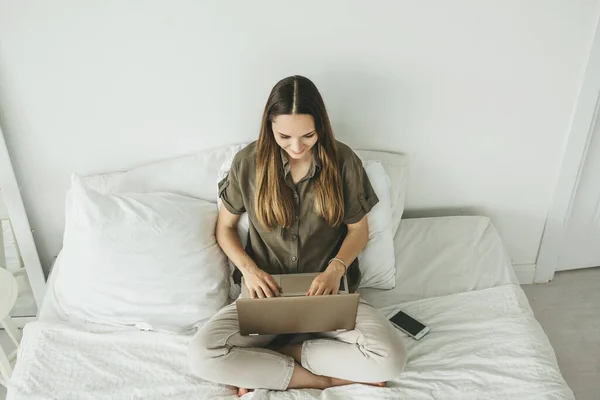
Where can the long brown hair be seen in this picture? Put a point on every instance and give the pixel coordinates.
(273, 198)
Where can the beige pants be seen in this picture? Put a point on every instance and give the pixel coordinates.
(373, 352)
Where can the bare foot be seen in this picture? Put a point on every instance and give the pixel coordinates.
(331, 382)
(343, 382)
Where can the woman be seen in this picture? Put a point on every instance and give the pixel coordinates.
(307, 197)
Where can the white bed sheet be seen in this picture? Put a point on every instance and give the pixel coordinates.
(483, 344)
(452, 273)
(434, 257)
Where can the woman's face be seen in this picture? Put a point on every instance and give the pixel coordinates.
(295, 133)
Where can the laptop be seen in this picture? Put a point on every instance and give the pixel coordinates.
(294, 312)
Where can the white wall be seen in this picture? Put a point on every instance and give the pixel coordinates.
(480, 94)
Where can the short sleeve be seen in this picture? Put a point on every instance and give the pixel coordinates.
(230, 191)
(359, 195)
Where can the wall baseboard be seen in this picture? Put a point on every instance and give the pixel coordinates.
(525, 273)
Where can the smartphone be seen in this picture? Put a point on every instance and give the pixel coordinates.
(409, 325)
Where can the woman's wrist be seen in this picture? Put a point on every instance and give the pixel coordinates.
(337, 267)
(248, 266)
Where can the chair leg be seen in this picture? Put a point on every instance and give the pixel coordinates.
(12, 330)
(5, 368)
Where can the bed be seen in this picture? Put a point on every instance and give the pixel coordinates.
(451, 273)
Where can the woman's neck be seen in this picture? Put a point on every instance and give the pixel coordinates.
(299, 168)
(306, 160)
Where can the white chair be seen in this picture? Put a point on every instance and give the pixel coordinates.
(8, 298)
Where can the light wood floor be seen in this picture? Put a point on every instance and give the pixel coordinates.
(568, 309)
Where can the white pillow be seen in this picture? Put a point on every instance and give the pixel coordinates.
(192, 175)
(148, 260)
(396, 166)
(377, 261)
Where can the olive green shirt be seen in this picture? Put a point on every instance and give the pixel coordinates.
(310, 242)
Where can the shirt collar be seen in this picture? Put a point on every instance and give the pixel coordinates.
(316, 164)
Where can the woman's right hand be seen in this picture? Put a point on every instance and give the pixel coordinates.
(260, 284)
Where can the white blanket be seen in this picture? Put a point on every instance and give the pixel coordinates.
(483, 344)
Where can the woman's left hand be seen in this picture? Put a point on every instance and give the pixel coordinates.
(327, 282)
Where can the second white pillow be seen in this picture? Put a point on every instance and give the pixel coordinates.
(377, 261)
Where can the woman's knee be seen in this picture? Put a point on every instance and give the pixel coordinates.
(202, 354)
(396, 361)
(389, 361)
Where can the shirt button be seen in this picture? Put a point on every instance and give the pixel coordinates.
(361, 196)
(294, 258)
(296, 217)
(294, 237)
(296, 196)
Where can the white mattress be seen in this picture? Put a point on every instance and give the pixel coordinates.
(453, 274)
(441, 256)
(483, 344)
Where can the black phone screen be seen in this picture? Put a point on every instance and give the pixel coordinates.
(408, 323)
